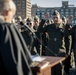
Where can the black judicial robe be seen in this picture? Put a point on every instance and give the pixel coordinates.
(14, 54)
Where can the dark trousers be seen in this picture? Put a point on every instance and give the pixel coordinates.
(58, 69)
(67, 64)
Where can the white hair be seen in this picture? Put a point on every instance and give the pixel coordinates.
(7, 5)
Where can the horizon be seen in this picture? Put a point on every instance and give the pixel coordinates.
(52, 3)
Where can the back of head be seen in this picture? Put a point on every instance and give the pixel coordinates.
(5, 6)
(19, 18)
(36, 18)
(29, 19)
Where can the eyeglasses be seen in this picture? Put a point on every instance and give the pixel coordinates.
(29, 23)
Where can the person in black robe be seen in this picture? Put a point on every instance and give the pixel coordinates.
(15, 57)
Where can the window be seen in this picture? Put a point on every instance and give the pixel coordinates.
(42, 13)
(42, 16)
(38, 13)
(66, 13)
(71, 9)
(43, 10)
(23, 1)
(23, 10)
(23, 7)
(48, 10)
(62, 13)
(52, 10)
(62, 10)
(75, 12)
(66, 10)
(67, 16)
(38, 10)
(71, 12)
(75, 21)
(18, 4)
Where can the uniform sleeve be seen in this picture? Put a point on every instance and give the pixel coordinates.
(68, 30)
(73, 36)
(41, 27)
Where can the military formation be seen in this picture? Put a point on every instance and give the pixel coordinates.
(49, 36)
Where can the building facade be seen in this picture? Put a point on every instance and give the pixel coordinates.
(23, 8)
(33, 10)
(65, 10)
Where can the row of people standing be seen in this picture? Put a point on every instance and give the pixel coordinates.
(30, 34)
(37, 26)
(56, 44)
(17, 55)
(29, 37)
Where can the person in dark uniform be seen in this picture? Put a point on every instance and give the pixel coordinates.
(27, 35)
(72, 31)
(56, 43)
(68, 42)
(36, 44)
(15, 57)
(55, 32)
(45, 35)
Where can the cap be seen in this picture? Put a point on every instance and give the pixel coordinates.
(56, 12)
(36, 18)
(28, 19)
(19, 18)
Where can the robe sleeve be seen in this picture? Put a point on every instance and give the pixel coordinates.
(14, 52)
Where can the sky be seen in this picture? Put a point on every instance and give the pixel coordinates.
(52, 3)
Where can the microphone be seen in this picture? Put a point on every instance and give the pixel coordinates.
(34, 35)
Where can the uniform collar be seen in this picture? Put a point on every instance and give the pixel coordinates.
(59, 26)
